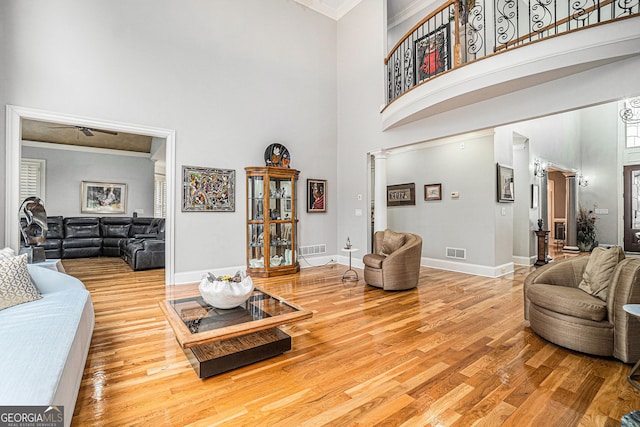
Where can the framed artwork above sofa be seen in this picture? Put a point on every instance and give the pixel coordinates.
(103, 197)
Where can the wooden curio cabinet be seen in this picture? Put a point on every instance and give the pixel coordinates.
(272, 222)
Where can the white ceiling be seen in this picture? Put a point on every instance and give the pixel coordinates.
(397, 10)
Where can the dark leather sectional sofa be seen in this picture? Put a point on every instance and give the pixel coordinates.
(139, 241)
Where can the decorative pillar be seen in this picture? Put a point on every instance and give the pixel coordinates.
(380, 191)
(544, 201)
(572, 212)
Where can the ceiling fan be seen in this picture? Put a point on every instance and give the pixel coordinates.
(86, 130)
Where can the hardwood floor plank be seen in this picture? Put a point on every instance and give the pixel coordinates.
(455, 351)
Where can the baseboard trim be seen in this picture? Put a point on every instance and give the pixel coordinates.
(190, 277)
(523, 260)
(474, 269)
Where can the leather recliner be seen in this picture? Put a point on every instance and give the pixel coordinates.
(82, 237)
(114, 230)
(146, 250)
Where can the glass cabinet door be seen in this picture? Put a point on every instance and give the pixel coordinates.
(255, 216)
(255, 204)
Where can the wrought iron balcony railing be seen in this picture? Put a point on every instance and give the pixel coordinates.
(463, 31)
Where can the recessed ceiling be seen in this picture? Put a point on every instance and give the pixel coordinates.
(56, 133)
(336, 9)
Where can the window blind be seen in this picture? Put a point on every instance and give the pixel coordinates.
(32, 176)
(159, 196)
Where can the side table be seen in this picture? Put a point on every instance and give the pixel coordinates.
(634, 310)
(350, 275)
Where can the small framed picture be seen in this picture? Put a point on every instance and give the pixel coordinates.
(505, 184)
(103, 197)
(433, 192)
(535, 195)
(401, 194)
(316, 195)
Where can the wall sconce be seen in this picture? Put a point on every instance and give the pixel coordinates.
(539, 168)
(583, 181)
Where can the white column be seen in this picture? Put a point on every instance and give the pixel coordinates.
(571, 229)
(380, 191)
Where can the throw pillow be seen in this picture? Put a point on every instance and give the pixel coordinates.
(16, 286)
(391, 242)
(599, 270)
(7, 253)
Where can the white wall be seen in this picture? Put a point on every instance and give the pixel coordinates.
(230, 77)
(599, 130)
(465, 166)
(65, 171)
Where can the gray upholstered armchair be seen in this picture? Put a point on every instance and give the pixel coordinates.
(395, 263)
(562, 310)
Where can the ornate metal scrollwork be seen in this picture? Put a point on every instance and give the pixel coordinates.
(541, 15)
(397, 75)
(506, 21)
(475, 26)
(630, 114)
(626, 7)
(389, 84)
(408, 69)
(581, 11)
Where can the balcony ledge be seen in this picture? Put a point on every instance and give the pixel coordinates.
(516, 69)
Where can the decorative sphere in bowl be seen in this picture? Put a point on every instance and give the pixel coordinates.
(225, 294)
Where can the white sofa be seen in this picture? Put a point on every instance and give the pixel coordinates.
(44, 343)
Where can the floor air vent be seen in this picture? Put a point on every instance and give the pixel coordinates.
(312, 250)
(456, 253)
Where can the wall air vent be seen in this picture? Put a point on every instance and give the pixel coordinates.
(313, 250)
(456, 253)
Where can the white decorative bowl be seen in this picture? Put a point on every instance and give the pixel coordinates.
(225, 294)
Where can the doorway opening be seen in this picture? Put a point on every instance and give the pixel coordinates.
(15, 117)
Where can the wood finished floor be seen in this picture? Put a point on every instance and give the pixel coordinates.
(453, 352)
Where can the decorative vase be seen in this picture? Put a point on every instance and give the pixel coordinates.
(225, 294)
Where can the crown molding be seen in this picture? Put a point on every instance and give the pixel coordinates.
(333, 11)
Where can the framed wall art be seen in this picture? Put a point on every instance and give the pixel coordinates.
(432, 53)
(208, 189)
(103, 197)
(535, 195)
(433, 192)
(316, 195)
(505, 184)
(401, 194)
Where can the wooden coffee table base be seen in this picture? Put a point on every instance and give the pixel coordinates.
(221, 356)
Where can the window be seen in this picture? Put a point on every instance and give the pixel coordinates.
(159, 196)
(631, 116)
(32, 178)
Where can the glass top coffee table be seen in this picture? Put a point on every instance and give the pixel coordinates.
(217, 340)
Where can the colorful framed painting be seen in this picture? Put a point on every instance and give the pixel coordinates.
(103, 197)
(432, 53)
(505, 184)
(433, 192)
(401, 194)
(316, 195)
(208, 189)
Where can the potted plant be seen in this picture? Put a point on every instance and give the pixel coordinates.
(586, 226)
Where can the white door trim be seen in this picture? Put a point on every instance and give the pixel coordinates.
(13, 152)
